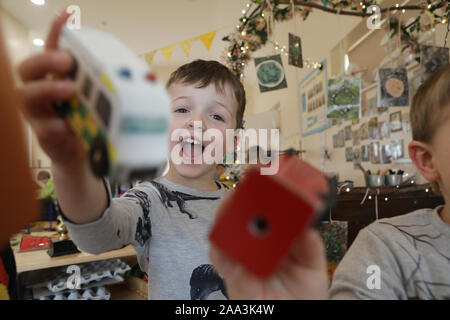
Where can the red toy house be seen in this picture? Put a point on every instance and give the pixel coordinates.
(260, 221)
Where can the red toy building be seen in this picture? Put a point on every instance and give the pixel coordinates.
(260, 221)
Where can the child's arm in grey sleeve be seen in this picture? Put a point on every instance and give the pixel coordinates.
(125, 221)
(369, 270)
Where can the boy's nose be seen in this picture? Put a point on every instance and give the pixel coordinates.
(195, 121)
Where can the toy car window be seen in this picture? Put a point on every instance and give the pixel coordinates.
(104, 109)
(87, 87)
(74, 72)
(134, 124)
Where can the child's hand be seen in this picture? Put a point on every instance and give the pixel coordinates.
(39, 92)
(303, 274)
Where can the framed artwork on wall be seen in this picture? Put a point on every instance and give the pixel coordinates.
(395, 120)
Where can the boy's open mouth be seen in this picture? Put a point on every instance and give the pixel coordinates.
(191, 149)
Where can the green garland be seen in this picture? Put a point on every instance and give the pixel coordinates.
(252, 33)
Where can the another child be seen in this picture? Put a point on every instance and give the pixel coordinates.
(408, 257)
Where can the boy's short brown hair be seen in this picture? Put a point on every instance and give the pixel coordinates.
(204, 73)
(429, 105)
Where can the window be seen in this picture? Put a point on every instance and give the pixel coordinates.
(104, 109)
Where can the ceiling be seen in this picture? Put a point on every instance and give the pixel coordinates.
(145, 25)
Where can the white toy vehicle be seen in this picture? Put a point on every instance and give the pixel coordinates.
(121, 112)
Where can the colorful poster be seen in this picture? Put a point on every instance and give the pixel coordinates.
(397, 151)
(396, 121)
(373, 128)
(375, 152)
(295, 51)
(270, 73)
(355, 138)
(386, 155)
(393, 87)
(365, 153)
(384, 129)
(349, 154)
(433, 58)
(312, 100)
(357, 158)
(344, 98)
(334, 235)
(340, 139)
(348, 133)
(364, 131)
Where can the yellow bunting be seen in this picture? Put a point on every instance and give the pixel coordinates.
(149, 56)
(167, 52)
(186, 46)
(207, 39)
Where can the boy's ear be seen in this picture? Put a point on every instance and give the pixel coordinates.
(422, 156)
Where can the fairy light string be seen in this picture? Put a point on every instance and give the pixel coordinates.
(254, 29)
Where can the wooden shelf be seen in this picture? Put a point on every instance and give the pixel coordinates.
(39, 259)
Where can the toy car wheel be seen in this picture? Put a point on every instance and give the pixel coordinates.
(98, 157)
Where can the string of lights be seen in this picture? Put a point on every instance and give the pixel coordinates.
(258, 17)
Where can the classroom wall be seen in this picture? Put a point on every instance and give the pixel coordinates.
(324, 36)
(16, 36)
(367, 56)
(331, 46)
(18, 45)
(318, 38)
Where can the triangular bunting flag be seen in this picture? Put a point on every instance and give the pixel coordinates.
(167, 52)
(149, 56)
(186, 46)
(207, 39)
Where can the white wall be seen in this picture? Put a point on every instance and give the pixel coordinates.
(18, 41)
(337, 162)
(147, 25)
(16, 36)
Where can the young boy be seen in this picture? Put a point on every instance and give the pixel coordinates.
(166, 220)
(409, 254)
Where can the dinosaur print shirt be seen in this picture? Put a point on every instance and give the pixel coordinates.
(405, 257)
(168, 225)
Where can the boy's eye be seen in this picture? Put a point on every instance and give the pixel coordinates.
(181, 110)
(217, 117)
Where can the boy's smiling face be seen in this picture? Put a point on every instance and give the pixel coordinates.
(214, 109)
